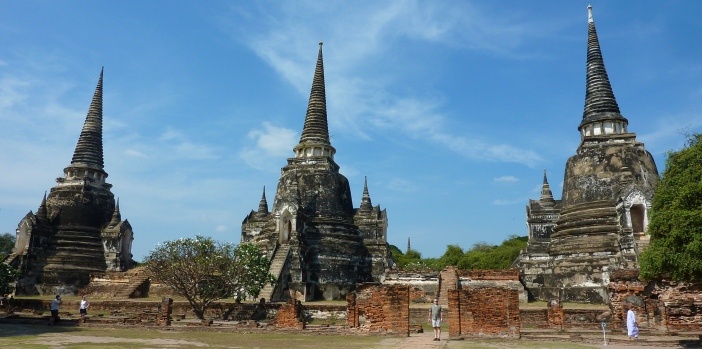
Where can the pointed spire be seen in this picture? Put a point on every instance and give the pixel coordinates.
(314, 140)
(408, 245)
(366, 205)
(546, 194)
(316, 129)
(88, 151)
(600, 103)
(41, 212)
(263, 204)
(116, 216)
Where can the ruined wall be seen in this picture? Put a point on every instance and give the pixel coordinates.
(423, 285)
(504, 278)
(683, 305)
(384, 307)
(662, 305)
(484, 311)
(290, 316)
(448, 280)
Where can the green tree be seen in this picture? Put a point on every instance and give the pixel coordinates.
(203, 270)
(8, 274)
(7, 244)
(410, 260)
(676, 218)
(486, 256)
(453, 254)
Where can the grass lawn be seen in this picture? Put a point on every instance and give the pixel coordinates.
(36, 337)
(44, 337)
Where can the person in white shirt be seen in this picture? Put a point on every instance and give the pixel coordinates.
(84, 304)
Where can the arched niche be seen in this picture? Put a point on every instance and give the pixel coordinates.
(286, 227)
(637, 207)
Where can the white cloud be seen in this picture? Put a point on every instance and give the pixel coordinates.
(363, 107)
(178, 146)
(135, 153)
(271, 143)
(506, 179)
(13, 91)
(221, 228)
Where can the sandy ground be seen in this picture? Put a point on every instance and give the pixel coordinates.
(417, 341)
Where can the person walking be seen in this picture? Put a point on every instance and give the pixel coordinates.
(84, 304)
(632, 327)
(55, 304)
(435, 318)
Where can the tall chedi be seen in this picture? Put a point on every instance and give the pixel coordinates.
(316, 248)
(607, 191)
(78, 229)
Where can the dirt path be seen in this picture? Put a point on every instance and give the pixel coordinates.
(414, 341)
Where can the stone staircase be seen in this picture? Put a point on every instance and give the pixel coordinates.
(280, 256)
(129, 288)
(77, 250)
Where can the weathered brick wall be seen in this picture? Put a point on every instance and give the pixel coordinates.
(385, 308)
(419, 316)
(484, 311)
(508, 278)
(491, 274)
(290, 316)
(163, 318)
(683, 305)
(351, 311)
(424, 285)
(663, 305)
(555, 315)
(585, 318)
(534, 318)
(626, 290)
(448, 280)
(218, 310)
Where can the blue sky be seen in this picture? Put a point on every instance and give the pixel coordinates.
(452, 109)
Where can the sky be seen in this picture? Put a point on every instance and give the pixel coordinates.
(451, 109)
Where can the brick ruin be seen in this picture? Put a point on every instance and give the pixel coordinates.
(385, 308)
(78, 229)
(477, 302)
(319, 244)
(427, 285)
(600, 223)
(290, 315)
(662, 305)
(483, 311)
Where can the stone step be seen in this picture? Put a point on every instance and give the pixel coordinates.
(133, 284)
(277, 264)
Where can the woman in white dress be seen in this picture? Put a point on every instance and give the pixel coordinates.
(632, 327)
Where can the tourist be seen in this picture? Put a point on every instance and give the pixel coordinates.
(435, 318)
(632, 327)
(55, 304)
(83, 308)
